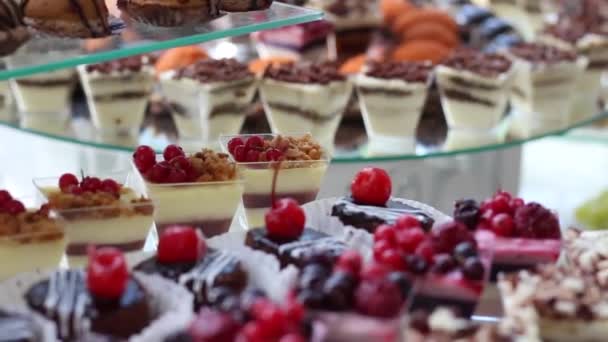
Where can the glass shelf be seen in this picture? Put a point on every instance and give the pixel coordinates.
(137, 38)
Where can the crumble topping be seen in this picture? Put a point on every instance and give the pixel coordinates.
(99, 205)
(321, 73)
(215, 70)
(29, 227)
(406, 71)
(295, 148)
(484, 64)
(131, 64)
(212, 166)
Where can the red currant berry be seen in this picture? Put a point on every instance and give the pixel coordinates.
(500, 204)
(5, 196)
(66, 181)
(294, 310)
(233, 143)
(293, 338)
(76, 190)
(111, 186)
(503, 225)
(177, 176)
(92, 184)
(380, 247)
(272, 321)
(181, 163)
(426, 251)
(240, 154)
(371, 186)
(173, 151)
(385, 232)
(255, 142)
(407, 222)
(394, 259)
(14, 207)
(144, 158)
(350, 262)
(252, 332)
(274, 155)
(158, 173)
(516, 203)
(286, 219)
(503, 193)
(213, 326)
(408, 240)
(253, 156)
(107, 273)
(180, 244)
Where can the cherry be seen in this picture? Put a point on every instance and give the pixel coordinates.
(380, 247)
(158, 173)
(384, 232)
(107, 273)
(408, 240)
(503, 225)
(14, 207)
(443, 263)
(407, 222)
(173, 151)
(254, 142)
(240, 154)
(233, 143)
(448, 235)
(503, 193)
(274, 155)
(180, 244)
(272, 321)
(181, 163)
(111, 186)
(294, 310)
(66, 181)
(371, 186)
(252, 156)
(286, 219)
(92, 184)
(144, 158)
(350, 262)
(177, 176)
(426, 250)
(394, 259)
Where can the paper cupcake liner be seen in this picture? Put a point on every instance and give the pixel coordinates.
(170, 303)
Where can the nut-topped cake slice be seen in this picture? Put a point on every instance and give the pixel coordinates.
(104, 213)
(209, 97)
(29, 239)
(201, 189)
(274, 167)
(301, 97)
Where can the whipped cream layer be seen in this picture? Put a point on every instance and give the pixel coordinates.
(390, 107)
(306, 107)
(30, 256)
(47, 93)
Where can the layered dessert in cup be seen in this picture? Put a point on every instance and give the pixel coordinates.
(305, 98)
(200, 189)
(308, 41)
(543, 87)
(100, 212)
(274, 166)
(45, 94)
(117, 93)
(392, 95)
(30, 240)
(209, 97)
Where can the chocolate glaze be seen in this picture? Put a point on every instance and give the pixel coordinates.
(253, 201)
(17, 328)
(81, 249)
(384, 91)
(307, 114)
(65, 299)
(296, 251)
(463, 96)
(216, 269)
(11, 15)
(132, 64)
(45, 83)
(209, 228)
(369, 217)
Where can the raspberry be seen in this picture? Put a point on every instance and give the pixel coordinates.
(535, 221)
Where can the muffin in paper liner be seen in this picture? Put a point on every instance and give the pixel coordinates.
(171, 304)
(44, 330)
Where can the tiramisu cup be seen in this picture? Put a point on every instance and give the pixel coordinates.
(305, 98)
(47, 93)
(392, 95)
(209, 98)
(309, 42)
(543, 87)
(275, 167)
(30, 240)
(102, 213)
(117, 93)
(200, 189)
(474, 88)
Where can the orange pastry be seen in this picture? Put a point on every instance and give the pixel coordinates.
(431, 31)
(258, 66)
(421, 50)
(391, 9)
(411, 18)
(353, 65)
(179, 57)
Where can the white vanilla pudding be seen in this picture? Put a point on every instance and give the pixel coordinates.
(305, 98)
(392, 96)
(474, 89)
(117, 93)
(209, 98)
(47, 93)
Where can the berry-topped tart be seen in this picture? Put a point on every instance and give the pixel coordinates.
(100, 212)
(371, 205)
(276, 165)
(29, 239)
(106, 301)
(443, 265)
(520, 235)
(199, 189)
(286, 236)
(356, 302)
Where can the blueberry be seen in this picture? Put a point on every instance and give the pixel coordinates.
(417, 264)
(473, 268)
(402, 281)
(311, 299)
(319, 257)
(466, 211)
(444, 263)
(338, 291)
(464, 250)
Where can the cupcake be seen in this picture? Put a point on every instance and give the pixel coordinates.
(67, 18)
(106, 301)
(209, 98)
(97, 212)
(201, 189)
(392, 95)
(305, 98)
(276, 166)
(13, 33)
(171, 12)
(31, 239)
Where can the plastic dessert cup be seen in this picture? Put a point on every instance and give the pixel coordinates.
(354, 327)
(123, 225)
(265, 181)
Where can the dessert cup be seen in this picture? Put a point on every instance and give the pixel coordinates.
(47, 93)
(7, 110)
(117, 94)
(123, 224)
(267, 181)
(457, 139)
